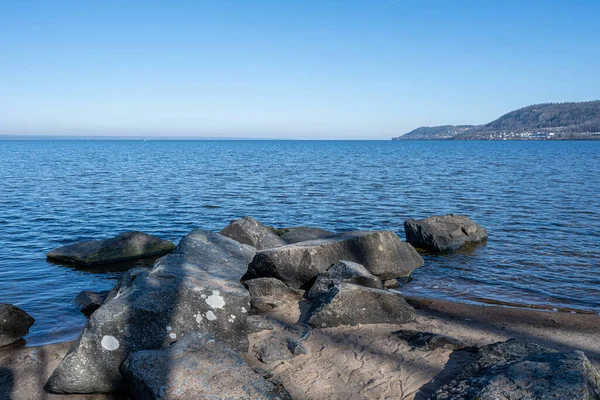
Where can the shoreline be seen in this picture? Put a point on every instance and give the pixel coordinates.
(24, 370)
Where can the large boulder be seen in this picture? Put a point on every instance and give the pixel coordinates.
(343, 271)
(196, 367)
(381, 252)
(196, 288)
(443, 232)
(124, 247)
(522, 370)
(249, 231)
(350, 304)
(302, 234)
(14, 324)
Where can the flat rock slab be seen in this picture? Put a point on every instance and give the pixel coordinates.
(443, 233)
(382, 253)
(24, 371)
(197, 367)
(196, 288)
(124, 247)
(248, 230)
(518, 369)
(343, 271)
(14, 324)
(349, 304)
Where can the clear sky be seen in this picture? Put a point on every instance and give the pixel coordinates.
(315, 69)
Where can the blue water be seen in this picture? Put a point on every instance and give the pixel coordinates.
(540, 202)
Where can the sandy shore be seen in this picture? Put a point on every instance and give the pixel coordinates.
(361, 362)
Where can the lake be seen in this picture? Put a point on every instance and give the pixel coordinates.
(539, 201)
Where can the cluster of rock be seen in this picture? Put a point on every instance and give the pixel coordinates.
(191, 308)
(180, 328)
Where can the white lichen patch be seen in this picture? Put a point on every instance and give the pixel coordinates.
(172, 336)
(198, 318)
(380, 248)
(215, 300)
(211, 316)
(203, 296)
(230, 320)
(109, 343)
(232, 316)
(244, 310)
(169, 328)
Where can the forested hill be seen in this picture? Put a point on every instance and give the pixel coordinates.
(540, 121)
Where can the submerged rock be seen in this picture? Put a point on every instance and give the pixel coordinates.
(196, 288)
(196, 367)
(343, 271)
(522, 370)
(14, 324)
(302, 234)
(89, 301)
(443, 233)
(249, 231)
(126, 246)
(381, 252)
(350, 304)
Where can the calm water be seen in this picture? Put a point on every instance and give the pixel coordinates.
(540, 202)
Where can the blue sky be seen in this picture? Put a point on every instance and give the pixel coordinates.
(287, 68)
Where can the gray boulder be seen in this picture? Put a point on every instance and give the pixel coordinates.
(443, 233)
(14, 324)
(196, 367)
(343, 271)
(249, 231)
(196, 288)
(269, 293)
(302, 234)
(89, 301)
(381, 252)
(124, 247)
(522, 370)
(350, 304)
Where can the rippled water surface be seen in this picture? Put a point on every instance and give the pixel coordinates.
(540, 202)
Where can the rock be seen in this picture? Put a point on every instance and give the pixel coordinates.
(126, 246)
(381, 252)
(270, 293)
(391, 284)
(249, 231)
(196, 288)
(14, 324)
(283, 341)
(89, 301)
(429, 340)
(196, 367)
(343, 271)
(273, 348)
(443, 233)
(24, 370)
(522, 370)
(302, 234)
(270, 287)
(259, 323)
(350, 304)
